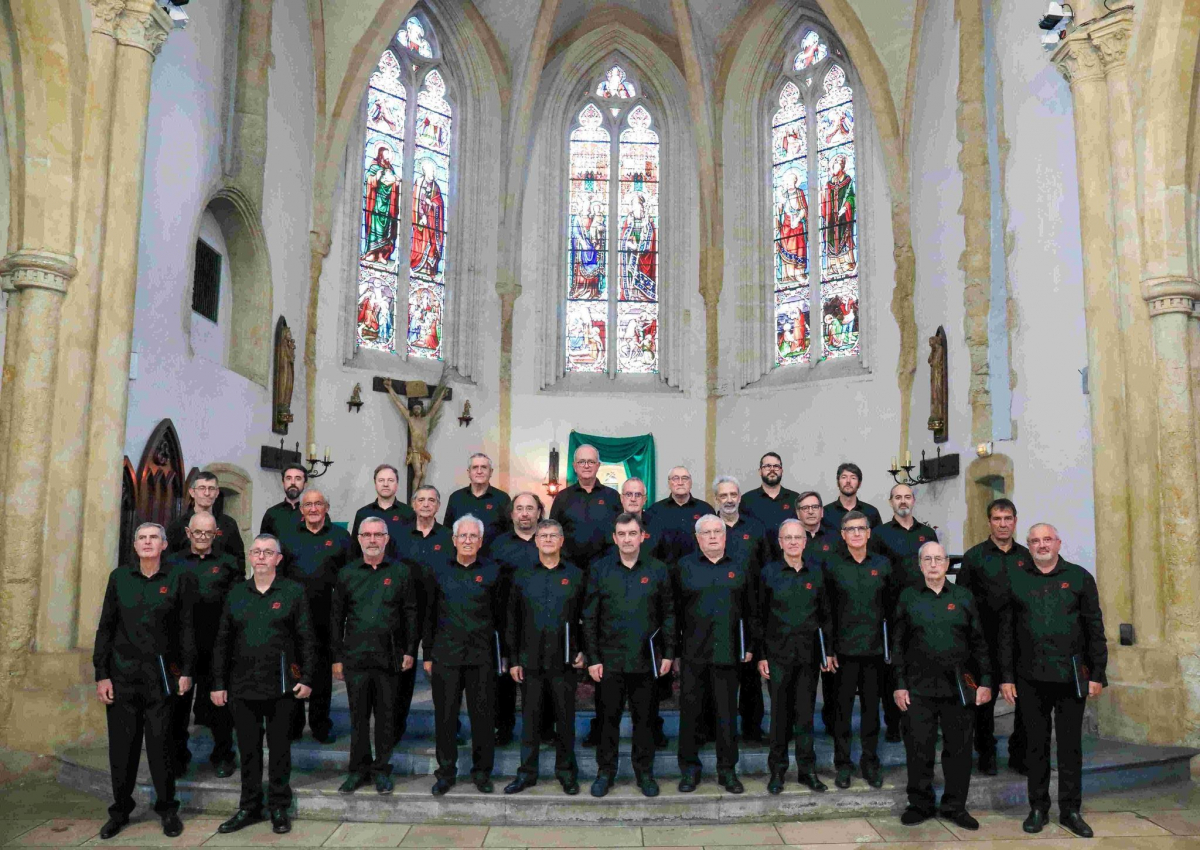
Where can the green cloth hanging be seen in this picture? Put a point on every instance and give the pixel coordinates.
(636, 453)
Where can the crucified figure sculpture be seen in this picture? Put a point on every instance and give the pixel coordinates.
(420, 424)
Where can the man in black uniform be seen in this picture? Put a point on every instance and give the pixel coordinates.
(771, 503)
(797, 637)
(1053, 656)
(586, 510)
(673, 519)
(313, 554)
(374, 640)
(481, 500)
(214, 575)
(542, 620)
(285, 515)
(820, 543)
(863, 597)
(745, 540)
(263, 661)
(942, 672)
(386, 507)
(144, 655)
(714, 598)
(984, 572)
(849, 479)
(463, 652)
(630, 608)
(205, 491)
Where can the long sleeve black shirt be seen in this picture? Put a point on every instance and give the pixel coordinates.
(1053, 617)
(215, 576)
(265, 644)
(374, 620)
(425, 551)
(228, 539)
(492, 508)
(313, 559)
(769, 513)
(746, 540)
(625, 606)
(716, 609)
(819, 547)
(900, 546)
(793, 605)
(587, 521)
(513, 553)
(675, 525)
(984, 572)
(399, 518)
(832, 520)
(463, 613)
(541, 604)
(863, 597)
(279, 518)
(935, 638)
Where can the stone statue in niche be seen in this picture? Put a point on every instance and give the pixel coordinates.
(285, 377)
(420, 423)
(938, 380)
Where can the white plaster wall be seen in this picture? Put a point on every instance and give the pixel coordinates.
(1051, 452)
(220, 415)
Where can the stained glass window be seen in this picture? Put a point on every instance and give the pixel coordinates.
(818, 119)
(397, 134)
(627, 313)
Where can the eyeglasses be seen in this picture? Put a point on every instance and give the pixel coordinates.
(312, 505)
(809, 508)
(633, 495)
(550, 535)
(772, 466)
(588, 462)
(711, 532)
(466, 536)
(263, 553)
(791, 538)
(206, 489)
(675, 479)
(201, 534)
(855, 529)
(372, 535)
(934, 559)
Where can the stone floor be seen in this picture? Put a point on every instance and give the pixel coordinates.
(42, 813)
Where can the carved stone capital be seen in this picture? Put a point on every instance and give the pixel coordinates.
(1170, 294)
(1077, 59)
(104, 16)
(143, 25)
(1111, 35)
(1171, 304)
(37, 270)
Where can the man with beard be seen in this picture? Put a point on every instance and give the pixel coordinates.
(286, 515)
(771, 503)
(849, 479)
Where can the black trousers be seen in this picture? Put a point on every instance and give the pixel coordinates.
(1046, 703)
(405, 683)
(318, 702)
(641, 691)
(696, 681)
(750, 697)
(985, 730)
(793, 700)
(891, 711)
(829, 689)
(135, 714)
(862, 675)
(218, 719)
(372, 692)
(557, 688)
(448, 685)
(252, 717)
(920, 745)
(506, 703)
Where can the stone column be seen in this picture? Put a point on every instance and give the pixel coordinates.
(59, 599)
(1111, 37)
(1079, 61)
(141, 30)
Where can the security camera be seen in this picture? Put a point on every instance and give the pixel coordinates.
(1052, 38)
(1055, 15)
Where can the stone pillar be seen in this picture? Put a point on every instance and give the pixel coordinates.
(249, 137)
(141, 30)
(58, 602)
(1079, 61)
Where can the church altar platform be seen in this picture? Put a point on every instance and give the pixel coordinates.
(318, 770)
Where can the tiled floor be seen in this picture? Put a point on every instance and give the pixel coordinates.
(41, 813)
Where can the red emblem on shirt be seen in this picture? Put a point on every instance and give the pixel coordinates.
(328, 543)
(645, 580)
(645, 535)
(1066, 585)
(1020, 563)
(599, 501)
(216, 570)
(566, 581)
(387, 582)
(275, 606)
(874, 572)
(395, 518)
(808, 585)
(695, 516)
(786, 506)
(950, 607)
(479, 579)
(437, 547)
(294, 669)
(920, 539)
(745, 536)
(163, 589)
(824, 547)
(731, 574)
(487, 507)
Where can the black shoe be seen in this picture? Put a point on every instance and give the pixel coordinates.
(812, 781)
(484, 784)
(912, 817)
(504, 737)
(592, 738)
(893, 736)
(570, 785)
(172, 825)
(226, 768)
(602, 785)
(873, 774)
(442, 786)
(112, 827)
(520, 784)
(353, 782)
(241, 820)
(775, 783)
(384, 784)
(280, 822)
(660, 737)
(843, 777)
(689, 781)
(1036, 821)
(328, 738)
(731, 783)
(1075, 822)
(962, 819)
(648, 785)
(987, 764)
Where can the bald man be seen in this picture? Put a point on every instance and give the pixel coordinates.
(586, 510)
(672, 520)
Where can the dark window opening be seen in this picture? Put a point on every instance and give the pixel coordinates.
(206, 285)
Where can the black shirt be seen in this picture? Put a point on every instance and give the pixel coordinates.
(215, 576)
(228, 539)
(541, 604)
(625, 606)
(1054, 617)
(424, 551)
(793, 604)
(279, 518)
(675, 525)
(900, 546)
(822, 545)
(863, 597)
(375, 615)
(265, 644)
(398, 518)
(769, 512)
(145, 637)
(313, 560)
(937, 637)
(463, 616)
(587, 521)
(715, 604)
(746, 540)
(984, 572)
(834, 512)
(513, 553)
(492, 508)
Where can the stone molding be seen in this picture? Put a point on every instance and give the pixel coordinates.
(1111, 36)
(105, 14)
(1078, 59)
(1171, 294)
(144, 26)
(36, 270)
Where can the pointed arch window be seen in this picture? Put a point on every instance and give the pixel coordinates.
(611, 324)
(405, 191)
(813, 176)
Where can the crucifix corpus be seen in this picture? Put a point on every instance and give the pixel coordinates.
(421, 409)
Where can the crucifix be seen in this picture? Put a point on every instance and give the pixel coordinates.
(420, 407)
